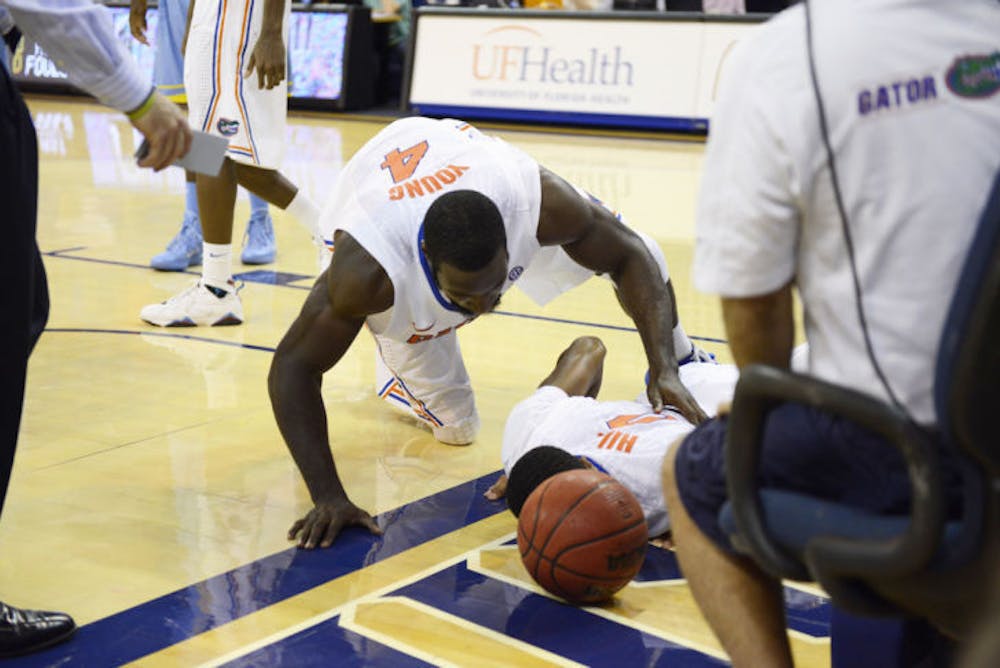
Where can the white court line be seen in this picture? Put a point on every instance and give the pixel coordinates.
(348, 621)
(476, 565)
(333, 612)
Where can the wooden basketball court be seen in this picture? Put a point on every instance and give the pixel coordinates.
(152, 492)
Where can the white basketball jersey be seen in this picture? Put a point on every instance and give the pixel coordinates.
(385, 190)
(625, 439)
(221, 100)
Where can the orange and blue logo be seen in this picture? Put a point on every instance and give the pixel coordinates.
(974, 76)
(227, 127)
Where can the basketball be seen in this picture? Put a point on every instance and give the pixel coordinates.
(582, 536)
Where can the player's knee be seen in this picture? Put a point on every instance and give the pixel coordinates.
(590, 345)
(462, 432)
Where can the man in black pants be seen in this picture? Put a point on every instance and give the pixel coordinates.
(105, 70)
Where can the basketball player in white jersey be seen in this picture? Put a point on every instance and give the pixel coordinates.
(433, 221)
(185, 249)
(562, 426)
(234, 75)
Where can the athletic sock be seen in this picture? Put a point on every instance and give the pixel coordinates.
(217, 265)
(256, 204)
(305, 211)
(191, 197)
(683, 347)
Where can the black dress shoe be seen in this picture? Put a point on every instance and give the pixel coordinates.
(25, 631)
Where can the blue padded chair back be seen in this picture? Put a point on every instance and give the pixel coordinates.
(967, 378)
(799, 537)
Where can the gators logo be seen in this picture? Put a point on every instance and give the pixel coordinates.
(227, 127)
(515, 273)
(974, 76)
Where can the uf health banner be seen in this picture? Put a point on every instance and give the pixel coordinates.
(625, 69)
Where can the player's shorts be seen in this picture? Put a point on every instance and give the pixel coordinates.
(168, 61)
(428, 380)
(220, 100)
(807, 451)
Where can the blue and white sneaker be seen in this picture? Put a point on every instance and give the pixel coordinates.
(697, 355)
(200, 305)
(258, 241)
(184, 250)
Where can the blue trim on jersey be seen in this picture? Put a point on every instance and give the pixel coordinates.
(595, 465)
(430, 275)
(215, 64)
(246, 110)
(673, 124)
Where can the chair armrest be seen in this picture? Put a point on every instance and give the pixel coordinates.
(760, 389)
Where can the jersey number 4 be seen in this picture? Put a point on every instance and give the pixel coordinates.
(402, 164)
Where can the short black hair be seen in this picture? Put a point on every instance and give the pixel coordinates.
(532, 469)
(464, 229)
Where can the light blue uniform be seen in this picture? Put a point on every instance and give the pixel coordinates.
(168, 67)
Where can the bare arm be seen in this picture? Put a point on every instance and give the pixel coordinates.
(268, 55)
(761, 329)
(351, 288)
(137, 20)
(595, 239)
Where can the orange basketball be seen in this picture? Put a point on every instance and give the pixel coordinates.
(582, 536)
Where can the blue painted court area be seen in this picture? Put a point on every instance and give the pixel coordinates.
(561, 629)
(152, 626)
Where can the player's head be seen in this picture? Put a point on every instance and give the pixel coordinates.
(466, 245)
(535, 467)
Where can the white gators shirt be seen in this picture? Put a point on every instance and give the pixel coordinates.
(384, 192)
(914, 120)
(625, 439)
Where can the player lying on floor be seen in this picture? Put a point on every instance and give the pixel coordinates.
(434, 221)
(562, 426)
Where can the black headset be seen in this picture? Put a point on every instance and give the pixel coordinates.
(844, 225)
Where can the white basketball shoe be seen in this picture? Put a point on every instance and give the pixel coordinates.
(698, 355)
(199, 305)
